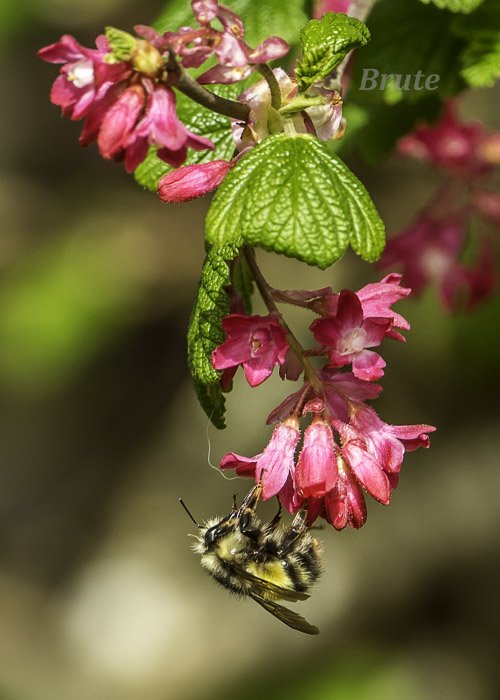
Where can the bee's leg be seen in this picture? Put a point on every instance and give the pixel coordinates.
(251, 499)
(273, 524)
(246, 512)
(296, 530)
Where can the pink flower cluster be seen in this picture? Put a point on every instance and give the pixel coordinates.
(235, 58)
(126, 105)
(431, 250)
(122, 87)
(346, 448)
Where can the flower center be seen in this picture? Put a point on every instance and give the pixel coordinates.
(353, 341)
(82, 73)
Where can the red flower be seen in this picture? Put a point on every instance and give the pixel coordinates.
(256, 342)
(275, 466)
(348, 334)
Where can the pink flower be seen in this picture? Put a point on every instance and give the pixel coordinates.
(374, 450)
(119, 121)
(343, 505)
(316, 472)
(85, 76)
(235, 58)
(348, 334)
(192, 181)
(127, 107)
(429, 252)
(376, 301)
(256, 342)
(450, 144)
(275, 465)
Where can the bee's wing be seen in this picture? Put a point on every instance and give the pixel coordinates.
(263, 587)
(285, 615)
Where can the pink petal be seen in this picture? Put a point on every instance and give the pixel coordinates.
(244, 466)
(66, 50)
(272, 48)
(119, 121)
(224, 75)
(233, 351)
(205, 10)
(368, 365)
(258, 369)
(368, 471)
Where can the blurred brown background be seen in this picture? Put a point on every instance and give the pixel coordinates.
(100, 596)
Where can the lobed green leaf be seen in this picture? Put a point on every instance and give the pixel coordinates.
(289, 195)
(205, 332)
(325, 42)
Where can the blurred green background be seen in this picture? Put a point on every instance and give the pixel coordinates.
(100, 596)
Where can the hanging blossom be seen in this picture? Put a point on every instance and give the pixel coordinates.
(431, 250)
(126, 104)
(347, 450)
(258, 343)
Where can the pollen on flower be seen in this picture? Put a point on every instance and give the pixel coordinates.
(353, 341)
(81, 73)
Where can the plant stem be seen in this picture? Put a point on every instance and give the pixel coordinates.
(178, 77)
(267, 297)
(274, 87)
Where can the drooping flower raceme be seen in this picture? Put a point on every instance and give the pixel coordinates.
(347, 449)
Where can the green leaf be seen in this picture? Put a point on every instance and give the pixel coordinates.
(243, 282)
(262, 18)
(205, 332)
(464, 6)
(290, 196)
(201, 121)
(409, 38)
(325, 42)
(481, 59)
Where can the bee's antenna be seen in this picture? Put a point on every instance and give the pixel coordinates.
(188, 512)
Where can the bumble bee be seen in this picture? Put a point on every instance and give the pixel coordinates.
(267, 562)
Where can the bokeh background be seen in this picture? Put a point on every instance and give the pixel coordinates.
(100, 595)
